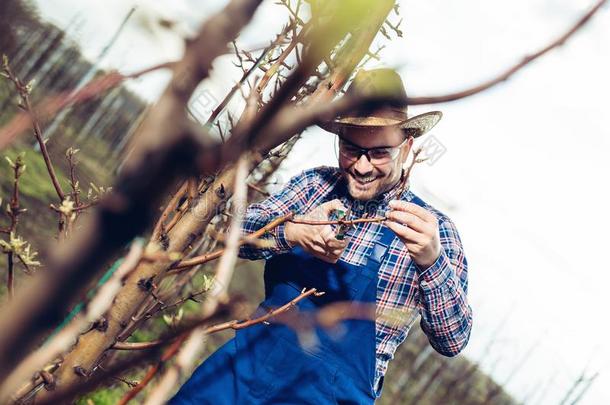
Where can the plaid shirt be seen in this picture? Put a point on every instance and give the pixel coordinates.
(404, 291)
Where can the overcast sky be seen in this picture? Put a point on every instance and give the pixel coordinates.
(524, 175)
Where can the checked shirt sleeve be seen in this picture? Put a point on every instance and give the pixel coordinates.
(293, 197)
(446, 317)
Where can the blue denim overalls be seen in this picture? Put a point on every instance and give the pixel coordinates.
(271, 364)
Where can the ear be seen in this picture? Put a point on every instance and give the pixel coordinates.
(406, 148)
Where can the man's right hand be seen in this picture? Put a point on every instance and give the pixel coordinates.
(317, 240)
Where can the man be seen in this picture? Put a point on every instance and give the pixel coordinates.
(412, 263)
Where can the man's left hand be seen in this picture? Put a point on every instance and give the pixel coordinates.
(417, 228)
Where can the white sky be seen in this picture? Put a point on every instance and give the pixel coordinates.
(524, 176)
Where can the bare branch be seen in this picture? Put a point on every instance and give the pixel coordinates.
(178, 267)
(526, 60)
(340, 222)
(67, 336)
(24, 93)
(258, 190)
(172, 205)
(52, 105)
(152, 371)
(163, 151)
(218, 295)
(234, 324)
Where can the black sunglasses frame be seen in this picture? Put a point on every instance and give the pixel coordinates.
(365, 151)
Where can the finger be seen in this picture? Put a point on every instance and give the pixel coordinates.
(406, 206)
(327, 255)
(319, 244)
(336, 244)
(323, 255)
(317, 250)
(330, 238)
(405, 233)
(407, 218)
(336, 253)
(333, 248)
(327, 234)
(335, 204)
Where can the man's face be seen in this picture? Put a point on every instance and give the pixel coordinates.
(364, 179)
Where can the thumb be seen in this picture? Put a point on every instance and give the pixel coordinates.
(329, 206)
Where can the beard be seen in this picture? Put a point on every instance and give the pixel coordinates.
(365, 188)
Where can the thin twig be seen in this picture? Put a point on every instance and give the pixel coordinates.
(404, 181)
(10, 276)
(184, 264)
(164, 307)
(51, 105)
(247, 73)
(258, 190)
(152, 371)
(513, 69)
(340, 222)
(218, 296)
(74, 184)
(171, 206)
(234, 324)
(280, 59)
(14, 210)
(24, 93)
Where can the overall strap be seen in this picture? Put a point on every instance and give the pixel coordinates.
(380, 248)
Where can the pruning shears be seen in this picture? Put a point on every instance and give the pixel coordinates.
(342, 228)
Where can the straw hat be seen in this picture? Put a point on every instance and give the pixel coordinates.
(380, 82)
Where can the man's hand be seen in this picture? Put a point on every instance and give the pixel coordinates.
(318, 240)
(418, 230)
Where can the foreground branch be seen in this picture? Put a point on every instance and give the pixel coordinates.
(218, 295)
(163, 151)
(68, 335)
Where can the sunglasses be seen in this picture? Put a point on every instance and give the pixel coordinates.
(377, 156)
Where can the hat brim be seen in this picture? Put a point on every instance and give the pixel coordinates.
(415, 126)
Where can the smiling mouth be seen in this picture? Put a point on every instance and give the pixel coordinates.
(364, 180)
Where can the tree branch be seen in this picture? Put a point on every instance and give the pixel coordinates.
(218, 295)
(188, 263)
(24, 93)
(163, 151)
(526, 60)
(68, 335)
(51, 105)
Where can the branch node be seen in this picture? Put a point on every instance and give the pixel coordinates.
(47, 379)
(80, 371)
(146, 284)
(101, 325)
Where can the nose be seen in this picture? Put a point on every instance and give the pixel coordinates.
(363, 166)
